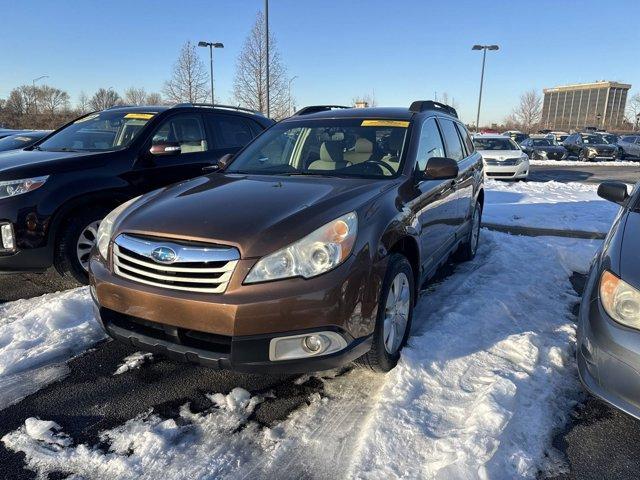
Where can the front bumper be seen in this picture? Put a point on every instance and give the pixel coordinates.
(608, 355)
(507, 171)
(233, 330)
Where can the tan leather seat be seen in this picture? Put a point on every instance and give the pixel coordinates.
(361, 152)
(395, 142)
(331, 157)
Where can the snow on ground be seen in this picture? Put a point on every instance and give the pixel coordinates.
(133, 361)
(483, 382)
(555, 205)
(578, 163)
(37, 335)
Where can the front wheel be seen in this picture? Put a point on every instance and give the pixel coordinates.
(582, 156)
(75, 243)
(395, 311)
(467, 250)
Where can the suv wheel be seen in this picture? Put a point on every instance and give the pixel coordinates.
(583, 156)
(395, 311)
(75, 243)
(621, 154)
(467, 250)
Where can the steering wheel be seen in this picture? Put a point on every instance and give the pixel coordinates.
(383, 164)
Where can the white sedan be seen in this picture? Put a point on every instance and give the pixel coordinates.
(502, 157)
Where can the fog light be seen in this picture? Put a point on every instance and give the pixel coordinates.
(8, 242)
(303, 346)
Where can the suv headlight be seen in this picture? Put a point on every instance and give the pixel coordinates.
(620, 300)
(11, 188)
(592, 151)
(317, 253)
(106, 228)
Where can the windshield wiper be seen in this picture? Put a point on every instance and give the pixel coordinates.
(63, 149)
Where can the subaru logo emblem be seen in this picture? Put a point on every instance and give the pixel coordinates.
(164, 255)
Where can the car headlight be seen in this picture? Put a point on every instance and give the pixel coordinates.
(11, 188)
(543, 153)
(620, 300)
(592, 151)
(317, 253)
(106, 228)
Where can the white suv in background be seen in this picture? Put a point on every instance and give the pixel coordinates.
(502, 157)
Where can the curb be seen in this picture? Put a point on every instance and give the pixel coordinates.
(544, 232)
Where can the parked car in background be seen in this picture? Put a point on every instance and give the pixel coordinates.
(543, 148)
(5, 132)
(629, 146)
(589, 147)
(559, 136)
(54, 194)
(516, 135)
(608, 342)
(330, 222)
(22, 140)
(502, 157)
(610, 138)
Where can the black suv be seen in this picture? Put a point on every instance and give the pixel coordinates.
(54, 194)
(589, 147)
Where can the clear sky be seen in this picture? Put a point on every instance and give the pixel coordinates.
(401, 50)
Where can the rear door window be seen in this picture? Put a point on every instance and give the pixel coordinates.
(466, 138)
(230, 131)
(452, 141)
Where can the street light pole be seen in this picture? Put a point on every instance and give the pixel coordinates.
(33, 92)
(33, 82)
(266, 39)
(291, 80)
(484, 49)
(211, 46)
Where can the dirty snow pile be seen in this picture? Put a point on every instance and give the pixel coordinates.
(485, 379)
(37, 335)
(553, 205)
(580, 163)
(133, 361)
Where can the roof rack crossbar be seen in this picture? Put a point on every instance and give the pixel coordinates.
(217, 105)
(424, 105)
(317, 108)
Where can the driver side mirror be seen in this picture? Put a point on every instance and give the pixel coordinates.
(165, 149)
(221, 164)
(615, 192)
(440, 168)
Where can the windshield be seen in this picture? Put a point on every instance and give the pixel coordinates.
(541, 143)
(97, 132)
(341, 148)
(593, 139)
(15, 142)
(610, 138)
(494, 144)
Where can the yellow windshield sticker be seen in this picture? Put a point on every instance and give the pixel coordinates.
(140, 116)
(87, 118)
(385, 123)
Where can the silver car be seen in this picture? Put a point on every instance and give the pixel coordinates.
(629, 146)
(608, 348)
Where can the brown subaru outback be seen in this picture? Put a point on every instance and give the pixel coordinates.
(303, 252)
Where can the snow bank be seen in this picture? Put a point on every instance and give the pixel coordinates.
(483, 382)
(133, 361)
(577, 163)
(490, 372)
(38, 333)
(562, 206)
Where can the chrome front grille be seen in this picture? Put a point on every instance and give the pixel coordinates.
(505, 162)
(192, 267)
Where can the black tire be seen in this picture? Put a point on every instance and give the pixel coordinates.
(65, 258)
(621, 154)
(467, 250)
(378, 359)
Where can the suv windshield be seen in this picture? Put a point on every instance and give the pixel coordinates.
(494, 143)
(97, 132)
(541, 143)
(342, 148)
(593, 139)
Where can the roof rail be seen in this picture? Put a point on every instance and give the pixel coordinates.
(218, 105)
(119, 106)
(317, 108)
(424, 105)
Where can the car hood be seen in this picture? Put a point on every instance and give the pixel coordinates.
(550, 148)
(629, 260)
(601, 146)
(257, 214)
(15, 164)
(500, 154)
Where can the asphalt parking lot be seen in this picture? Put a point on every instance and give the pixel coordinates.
(599, 443)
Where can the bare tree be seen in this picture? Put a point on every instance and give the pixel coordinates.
(250, 83)
(83, 103)
(104, 98)
(52, 100)
(448, 101)
(135, 96)
(189, 80)
(528, 113)
(154, 98)
(633, 111)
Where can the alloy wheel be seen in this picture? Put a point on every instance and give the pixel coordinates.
(396, 313)
(86, 241)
